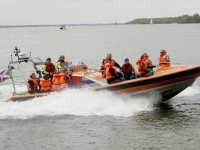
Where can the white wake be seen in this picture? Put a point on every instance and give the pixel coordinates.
(77, 102)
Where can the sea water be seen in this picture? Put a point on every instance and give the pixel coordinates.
(84, 119)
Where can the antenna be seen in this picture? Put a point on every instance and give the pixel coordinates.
(16, 51)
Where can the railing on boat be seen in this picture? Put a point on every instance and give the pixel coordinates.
(172, 66)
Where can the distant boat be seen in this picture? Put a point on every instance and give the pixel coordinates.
(151, 22)
(62, 28)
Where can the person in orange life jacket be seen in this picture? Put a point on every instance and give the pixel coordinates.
(103, 67)
(65, 79)
(148, 61)
(32, 84)
(142, 67)
(48, 68)
(111, 74)
(61, 80)
(109, 59)
(45, 83)
(163, 58)
(128, 70)
(60, 63)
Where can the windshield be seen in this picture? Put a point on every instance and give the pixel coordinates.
(74, 62)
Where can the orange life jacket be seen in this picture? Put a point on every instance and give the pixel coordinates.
(106, 60)
(162, 59)
(126, 70)
(56, 82)
(45, 84)
(140, 70)
(61, 61)
(104, 66)
(34, 81)
(49, 68)
(62, 80)
(108, 75)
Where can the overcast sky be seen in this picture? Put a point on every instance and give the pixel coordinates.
(27, 12)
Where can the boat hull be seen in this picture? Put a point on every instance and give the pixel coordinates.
(26, 96)
(167, 85)
(166, 92)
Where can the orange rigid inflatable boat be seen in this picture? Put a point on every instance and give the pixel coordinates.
(167, 82)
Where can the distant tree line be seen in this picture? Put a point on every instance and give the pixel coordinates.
(181, 19)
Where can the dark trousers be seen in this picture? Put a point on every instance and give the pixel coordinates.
(113, 80)
(129, 76)
(34, 91)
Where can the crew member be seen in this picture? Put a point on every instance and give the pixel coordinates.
(148, 61)
(45, 83)
(143, 70)
(64, 79)
(164, 58)
(103, 67)
(111, 74)
(32, 84)
(128, 70)
(109, 59)
(60, 62)
(48, 68)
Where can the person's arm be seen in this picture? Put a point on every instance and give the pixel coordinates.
(167, 58)
(151, 66)
(118, 66)
(143, 67)
(134, 71)
(44, 70)
(112, 72)
(39, 73)
(31, 85)
(58, 65)
(55, 70)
